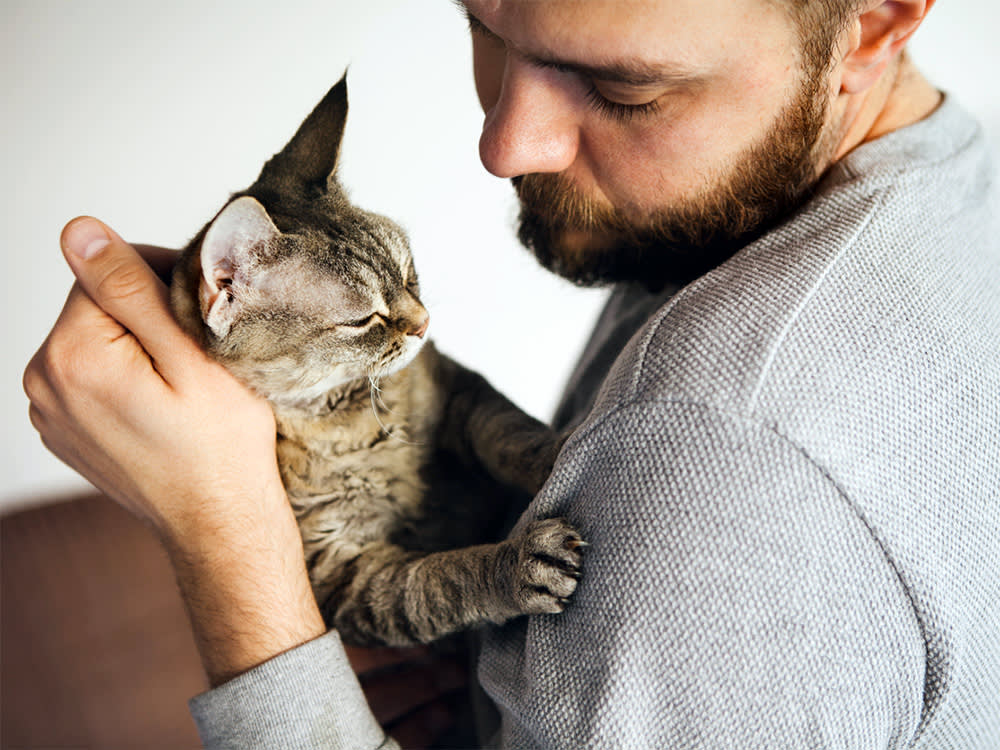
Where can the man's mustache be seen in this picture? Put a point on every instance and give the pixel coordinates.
(562, 205)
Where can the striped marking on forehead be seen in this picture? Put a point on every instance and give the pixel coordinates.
(394, 240)
(377, 258)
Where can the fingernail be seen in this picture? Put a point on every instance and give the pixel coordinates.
(85, 238)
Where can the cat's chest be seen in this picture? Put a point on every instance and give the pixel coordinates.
(354, 496)
(356, 459)
(324, 466)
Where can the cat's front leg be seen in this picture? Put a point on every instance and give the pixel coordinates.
(483, 427)
(388, 596)
(545, 567)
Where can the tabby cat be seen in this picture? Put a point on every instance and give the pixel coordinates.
(394, 458)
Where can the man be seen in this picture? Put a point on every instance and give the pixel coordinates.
(788, 474)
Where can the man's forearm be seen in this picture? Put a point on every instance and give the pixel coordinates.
(247, 594)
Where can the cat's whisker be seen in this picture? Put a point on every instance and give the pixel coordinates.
(373, 388)
(373, 382)
(376, 386)
(383, 404)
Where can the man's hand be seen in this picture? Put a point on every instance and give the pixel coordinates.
(122, 395)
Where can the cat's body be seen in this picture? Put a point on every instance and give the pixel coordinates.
(401, 465)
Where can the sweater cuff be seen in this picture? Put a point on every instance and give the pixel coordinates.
(305, 698)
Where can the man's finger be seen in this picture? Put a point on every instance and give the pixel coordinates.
(161, 259)
(122, 284)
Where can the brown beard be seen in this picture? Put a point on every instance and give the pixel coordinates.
(592, 243)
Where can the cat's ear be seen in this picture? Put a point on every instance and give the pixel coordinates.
(310, 158)
(241, 229)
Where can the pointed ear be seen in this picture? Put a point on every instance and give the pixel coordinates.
(310, 158)
(241, 229)
(877, 36)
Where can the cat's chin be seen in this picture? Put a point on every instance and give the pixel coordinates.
(307, 396)
(411, 348)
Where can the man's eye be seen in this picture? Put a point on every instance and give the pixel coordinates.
(617, 110)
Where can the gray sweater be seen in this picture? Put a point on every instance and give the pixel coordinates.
(789, 477)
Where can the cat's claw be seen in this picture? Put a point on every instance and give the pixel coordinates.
(549, 566)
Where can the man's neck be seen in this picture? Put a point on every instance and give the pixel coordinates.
(901, 98)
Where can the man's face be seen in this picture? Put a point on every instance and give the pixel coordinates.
(645, 137)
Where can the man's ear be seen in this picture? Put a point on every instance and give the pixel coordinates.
(876, 37)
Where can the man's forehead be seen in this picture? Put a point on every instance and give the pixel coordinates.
(680, 36)
(617, 15)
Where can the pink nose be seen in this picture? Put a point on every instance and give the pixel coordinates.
(421, 328)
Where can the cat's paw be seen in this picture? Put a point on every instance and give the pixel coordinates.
(548, 566)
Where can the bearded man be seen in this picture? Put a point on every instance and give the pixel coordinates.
(784, 450)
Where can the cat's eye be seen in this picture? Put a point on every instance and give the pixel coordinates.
(361, 323)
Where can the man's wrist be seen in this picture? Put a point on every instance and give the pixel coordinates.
(246, 591)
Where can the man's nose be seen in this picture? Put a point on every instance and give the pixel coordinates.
(532, 126)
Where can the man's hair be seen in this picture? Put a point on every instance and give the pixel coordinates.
(820, 24)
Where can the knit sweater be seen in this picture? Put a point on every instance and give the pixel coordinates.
(789, 477)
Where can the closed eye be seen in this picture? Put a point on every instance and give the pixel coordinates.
(361, 323)
(618, 110)
(621, 90)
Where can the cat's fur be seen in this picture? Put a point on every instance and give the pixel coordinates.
(394, 457)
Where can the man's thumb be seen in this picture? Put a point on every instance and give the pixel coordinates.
(85, 237)
(122, 284)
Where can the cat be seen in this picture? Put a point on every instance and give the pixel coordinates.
(401, 465)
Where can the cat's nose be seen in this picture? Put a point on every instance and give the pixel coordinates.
(420, 327)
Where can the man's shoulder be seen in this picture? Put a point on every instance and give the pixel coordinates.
(887, 227)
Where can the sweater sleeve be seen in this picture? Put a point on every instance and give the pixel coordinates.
(732, 596)
(304, 699)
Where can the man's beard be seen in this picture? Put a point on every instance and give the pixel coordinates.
(678, 243)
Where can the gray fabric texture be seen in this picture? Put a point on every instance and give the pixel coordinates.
(789, 477)
(305, 699)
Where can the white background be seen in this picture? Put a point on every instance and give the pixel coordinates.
(148, 114)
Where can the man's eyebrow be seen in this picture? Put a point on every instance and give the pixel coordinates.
(631, 72)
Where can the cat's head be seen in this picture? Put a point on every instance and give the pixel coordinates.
(298, 291)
